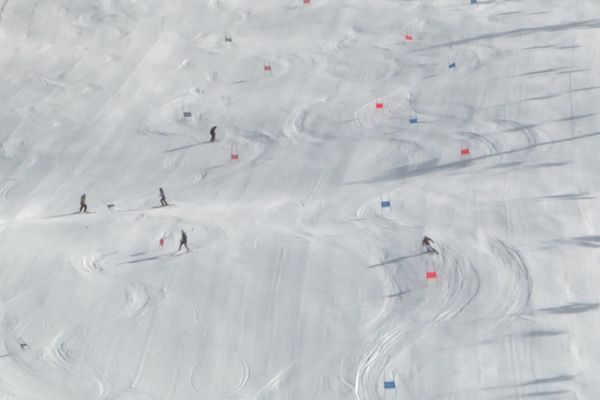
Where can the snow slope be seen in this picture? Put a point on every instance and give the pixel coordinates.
(298, 285)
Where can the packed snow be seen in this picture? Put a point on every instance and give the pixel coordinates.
(347, 130)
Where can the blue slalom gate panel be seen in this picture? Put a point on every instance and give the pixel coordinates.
(389, 385)
(452, 65)
(473, 1)
(187, 114)
(386, 204)
(413, 120)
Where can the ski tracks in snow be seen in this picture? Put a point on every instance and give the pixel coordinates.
(150, 331)
(206, 381)
(90, 265)
(6, 187)
(517, 286)
(137, 298)
(66, 353)
(442, 303)
(457, 286)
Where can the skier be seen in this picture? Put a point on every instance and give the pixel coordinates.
(82, 205)
(163, 199)
(183, 241)
(213, 133)
(427, 244)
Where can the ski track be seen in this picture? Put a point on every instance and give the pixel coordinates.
(64, 353)
(137, 301)
(90, 265)
(519, 290)
(148, 342)
(318, 200)
(459, 284)
(232, 384)
(6, 187)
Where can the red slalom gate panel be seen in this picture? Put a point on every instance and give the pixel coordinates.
(306, 1)
(161, 242)
(408, 36)
(268, 68)
(465, 152)
(235, 156)
(431, 275)
(379, 105)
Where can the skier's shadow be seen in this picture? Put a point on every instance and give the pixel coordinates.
(134, 209)
(62, 215)
(393, 260)
(145, 259)
(139, 260)
(186, 147)
(399, 294)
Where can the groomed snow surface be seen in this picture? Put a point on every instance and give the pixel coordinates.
(298, 285)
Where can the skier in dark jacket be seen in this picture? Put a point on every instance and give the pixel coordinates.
(163, 199)
(427, 244)
(183, 241)
(213, 133)
(82, 205)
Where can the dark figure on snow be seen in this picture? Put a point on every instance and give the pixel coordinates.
(82, 205)
(427, 244)
(163, 199)
(213, 133)
(183, 241)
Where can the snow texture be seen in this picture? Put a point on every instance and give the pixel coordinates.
(298, 284)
